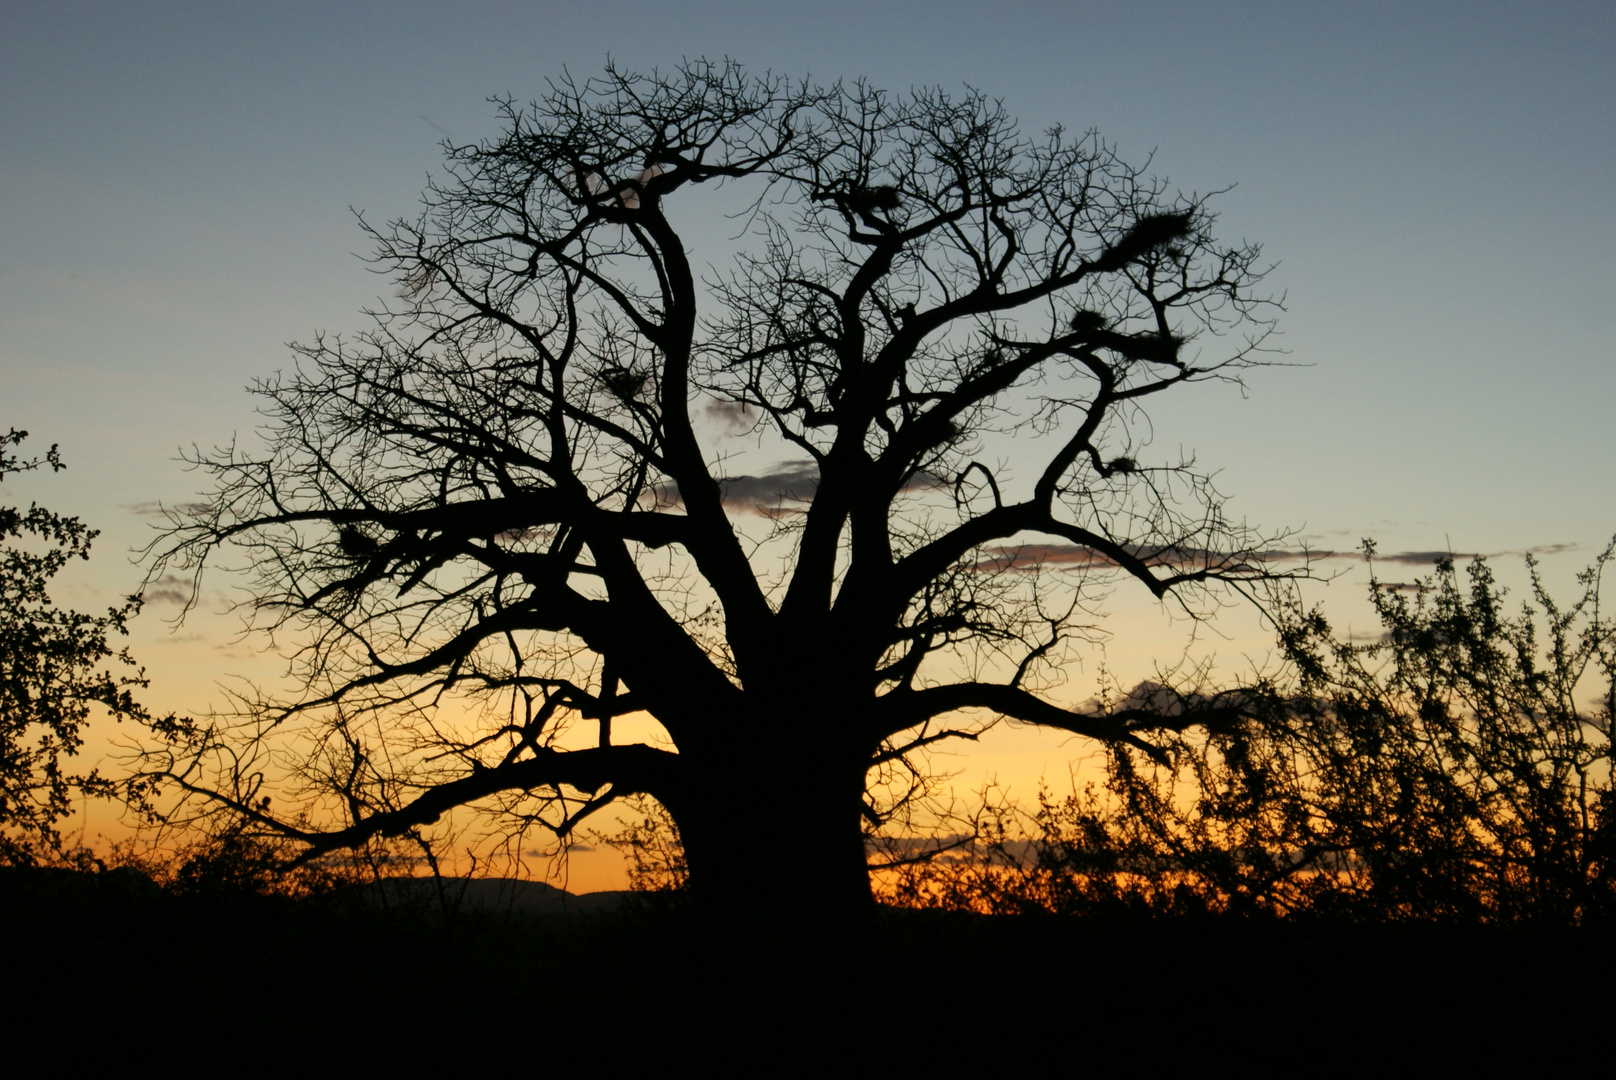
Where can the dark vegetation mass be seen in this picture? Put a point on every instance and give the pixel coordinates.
(52, 675)
(1451, 771)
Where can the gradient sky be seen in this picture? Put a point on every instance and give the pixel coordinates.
(1437, 182)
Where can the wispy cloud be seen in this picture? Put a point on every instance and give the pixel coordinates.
(786, 489)
(159, 509)
(1074, 556)
(1402, 558)
(1418, 558)
(1034, 556)
(731, 417)
(773, 490)
(167, 589)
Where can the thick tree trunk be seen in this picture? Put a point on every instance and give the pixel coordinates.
(777, 836)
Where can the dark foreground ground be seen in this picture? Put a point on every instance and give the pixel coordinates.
(107, 963)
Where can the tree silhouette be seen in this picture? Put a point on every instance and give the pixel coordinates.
(499, 497)
(51, 675)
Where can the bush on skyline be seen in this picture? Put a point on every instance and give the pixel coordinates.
(52, 674)
(1444, 773)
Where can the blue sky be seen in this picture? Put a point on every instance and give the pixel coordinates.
(1437, 182)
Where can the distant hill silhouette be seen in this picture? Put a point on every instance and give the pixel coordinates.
(499, 896)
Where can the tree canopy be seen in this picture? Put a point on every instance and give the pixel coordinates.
(514, 494)
(52, 678)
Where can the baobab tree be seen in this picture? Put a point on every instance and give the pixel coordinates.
(499, 519)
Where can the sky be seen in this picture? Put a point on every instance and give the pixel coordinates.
(1437, 183)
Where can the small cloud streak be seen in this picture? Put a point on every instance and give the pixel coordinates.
(771, 492)
(1040, 556)
(731, 417)
(785, 489)
(1418, 558)
(1401, 558)
(167, 589)
(158, 509)
(1037, 556)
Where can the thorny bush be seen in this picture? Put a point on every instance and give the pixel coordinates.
(1444, 772)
